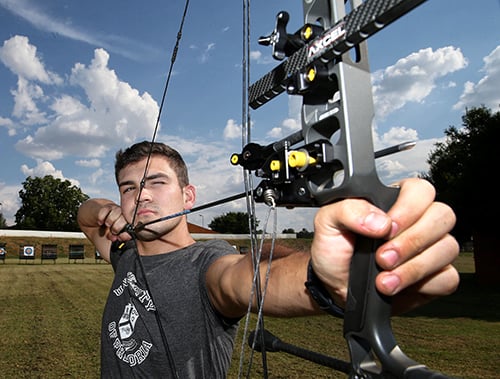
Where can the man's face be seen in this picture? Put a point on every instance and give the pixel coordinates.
(161, 196)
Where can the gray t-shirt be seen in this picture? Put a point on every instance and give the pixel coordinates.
(201, 342)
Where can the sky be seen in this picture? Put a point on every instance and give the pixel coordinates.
(80, 80)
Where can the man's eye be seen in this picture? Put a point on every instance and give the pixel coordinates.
(128, 189)
(158, 182)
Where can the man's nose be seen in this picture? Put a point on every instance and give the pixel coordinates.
(143, 195)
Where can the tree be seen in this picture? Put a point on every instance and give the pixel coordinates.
(462, 170)
(49, 204)
(232, 222)
(304, 233)
(3, 221)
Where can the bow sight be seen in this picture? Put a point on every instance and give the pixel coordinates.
(336, 159)
(286, 170)
(327, 65)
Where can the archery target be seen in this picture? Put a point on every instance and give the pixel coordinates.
(29, 251)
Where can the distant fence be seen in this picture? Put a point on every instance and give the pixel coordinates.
(33, 245)
(45, 245)
(40, 234)
(196, 236)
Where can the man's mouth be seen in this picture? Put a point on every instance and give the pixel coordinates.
(145, 212)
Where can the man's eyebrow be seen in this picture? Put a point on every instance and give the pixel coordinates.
(149, 177)
(126, 183)
(157, 175)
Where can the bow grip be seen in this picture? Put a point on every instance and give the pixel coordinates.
(367, 321)
(367, 326)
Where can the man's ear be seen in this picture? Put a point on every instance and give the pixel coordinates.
(189, 196)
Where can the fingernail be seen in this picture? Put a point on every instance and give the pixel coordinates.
(391, 283)
(394, 229)
(390, 258)
(375, 221)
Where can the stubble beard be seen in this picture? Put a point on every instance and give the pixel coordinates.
(155, 231)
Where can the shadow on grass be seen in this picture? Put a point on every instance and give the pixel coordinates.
(471, 300)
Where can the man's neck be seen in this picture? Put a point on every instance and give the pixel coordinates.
(175, 240)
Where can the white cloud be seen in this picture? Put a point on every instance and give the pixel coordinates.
(88, 163)
(10, 201)
(211, 172)
(115, 115)
(255, 55)
(96, 176)
(395, 136)
(292, 123)
(485, 91)
(406, 164)
(44, 168)
(25, 103)
(288, 126)
(259, 58)
(206, 53)
(412, 79)
(34, 13)
(232, 130)
(5, 121)
(67, 105)
(22, 59)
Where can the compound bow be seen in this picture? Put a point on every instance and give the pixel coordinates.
(332, 158)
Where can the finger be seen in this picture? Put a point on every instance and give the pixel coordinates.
(431, 261)
(334, 240)
(436, 222)
(125, 236)
(415, 196)
(113, 216)
(102, 215)
(355, 215)
(119, 227)
(126, 232)
(441, 283)
(121, 235)
(114, 221)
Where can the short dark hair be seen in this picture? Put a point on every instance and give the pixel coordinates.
(142, 150)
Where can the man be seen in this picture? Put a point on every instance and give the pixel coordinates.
(174, 305)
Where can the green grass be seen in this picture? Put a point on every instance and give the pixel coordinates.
(50, 320)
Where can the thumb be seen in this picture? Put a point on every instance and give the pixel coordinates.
(336, 226)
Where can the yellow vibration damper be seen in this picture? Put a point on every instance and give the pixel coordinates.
(311, 74)
(234, 159)
(275, 165)
(300, 159)
(307, 33)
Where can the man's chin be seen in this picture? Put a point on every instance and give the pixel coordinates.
(147, 234)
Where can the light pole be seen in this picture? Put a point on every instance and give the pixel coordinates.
(202, 221)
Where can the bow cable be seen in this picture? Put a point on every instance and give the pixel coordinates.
(257, 291)
(250, 203)
(258, 343)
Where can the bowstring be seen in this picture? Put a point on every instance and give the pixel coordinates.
(164, 95)
(173, 58)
